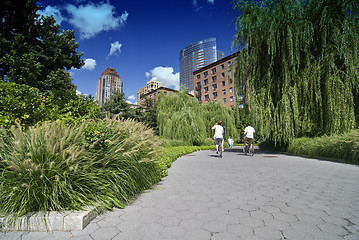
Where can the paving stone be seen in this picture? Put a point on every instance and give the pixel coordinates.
(285, 217)
(225, 236)
(277, 224)
(173, 232)
(267, 232)
(197, 234)
(150, 229)
(215, 226)
(296, 235)
(240, 230)
(191, 224)
(169, 221)
(333, 229)
(105, 233)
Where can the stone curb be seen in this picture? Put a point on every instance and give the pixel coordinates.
(51, 221)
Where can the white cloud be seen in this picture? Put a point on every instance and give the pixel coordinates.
(128, 102)
(115, 47)
(90, 64)
(54, 11)
(92, 19)
(78, 92)
(132, 97)
(210, 1)
(166, 76)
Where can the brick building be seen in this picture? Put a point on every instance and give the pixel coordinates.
(154, 94)
(215, 82)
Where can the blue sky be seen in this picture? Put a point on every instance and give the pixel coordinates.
(140, 39)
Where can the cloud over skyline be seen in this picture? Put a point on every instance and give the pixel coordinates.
(90, 64)
(115, 48)
(92, 19)
(165, 75)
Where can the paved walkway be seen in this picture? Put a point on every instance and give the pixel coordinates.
(267, 196)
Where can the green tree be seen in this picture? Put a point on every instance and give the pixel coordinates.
(298, 66)
(117, 105)
(149, 114)
(181, 117)
(33, 51)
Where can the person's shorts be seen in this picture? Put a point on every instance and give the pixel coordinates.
(219, 140)
(248, 139)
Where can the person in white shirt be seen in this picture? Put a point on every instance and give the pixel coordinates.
(218, 134)
(248, 133)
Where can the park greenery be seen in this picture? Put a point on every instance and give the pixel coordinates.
(298, 74)
(298, 68)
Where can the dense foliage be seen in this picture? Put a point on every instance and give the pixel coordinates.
(299, 66)
(338, 147)
(23, 104)
(33, 51)
(181, 117)
(59, 167)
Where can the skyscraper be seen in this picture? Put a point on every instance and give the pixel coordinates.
(195, 56)
(108, 84)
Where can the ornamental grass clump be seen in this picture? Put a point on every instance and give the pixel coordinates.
(57, 167)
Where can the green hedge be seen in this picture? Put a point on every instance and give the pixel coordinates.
(340, 147)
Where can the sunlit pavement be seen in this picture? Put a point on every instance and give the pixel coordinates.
(267, 196)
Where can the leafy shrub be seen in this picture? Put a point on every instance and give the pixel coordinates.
(23, 104)
(59, 167)
(339, 147)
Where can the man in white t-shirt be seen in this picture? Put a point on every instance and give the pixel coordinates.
(248, 133)
(218, 134)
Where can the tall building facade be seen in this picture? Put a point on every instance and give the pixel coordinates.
(195, 56)
(109, 83)
(216, 82)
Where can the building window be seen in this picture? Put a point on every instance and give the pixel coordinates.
(206, 97)
(222, 66)
(165, 93)
(230, 81)
(222, 75)
(232, 107)
(214, 94)
(229, 63)
(224, 91)
(198, 76)
(224, 100)
(214, 78)
(231, 90)
(214, 86)
(198, 91)
(205, 81)
(213, 70)
(199, 99)
(198, 84)
(205, 74)
(206, 89)
(231, 99)
(223, 83)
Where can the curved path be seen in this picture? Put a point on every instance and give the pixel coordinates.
(267, 196)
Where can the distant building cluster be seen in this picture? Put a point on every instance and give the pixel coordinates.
(204, 71)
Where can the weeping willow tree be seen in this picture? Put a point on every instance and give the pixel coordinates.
(298, 66)
(181, 117)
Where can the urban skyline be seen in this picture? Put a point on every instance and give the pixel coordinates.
(141, 41)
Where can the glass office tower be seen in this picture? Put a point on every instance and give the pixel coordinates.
(195, 56)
